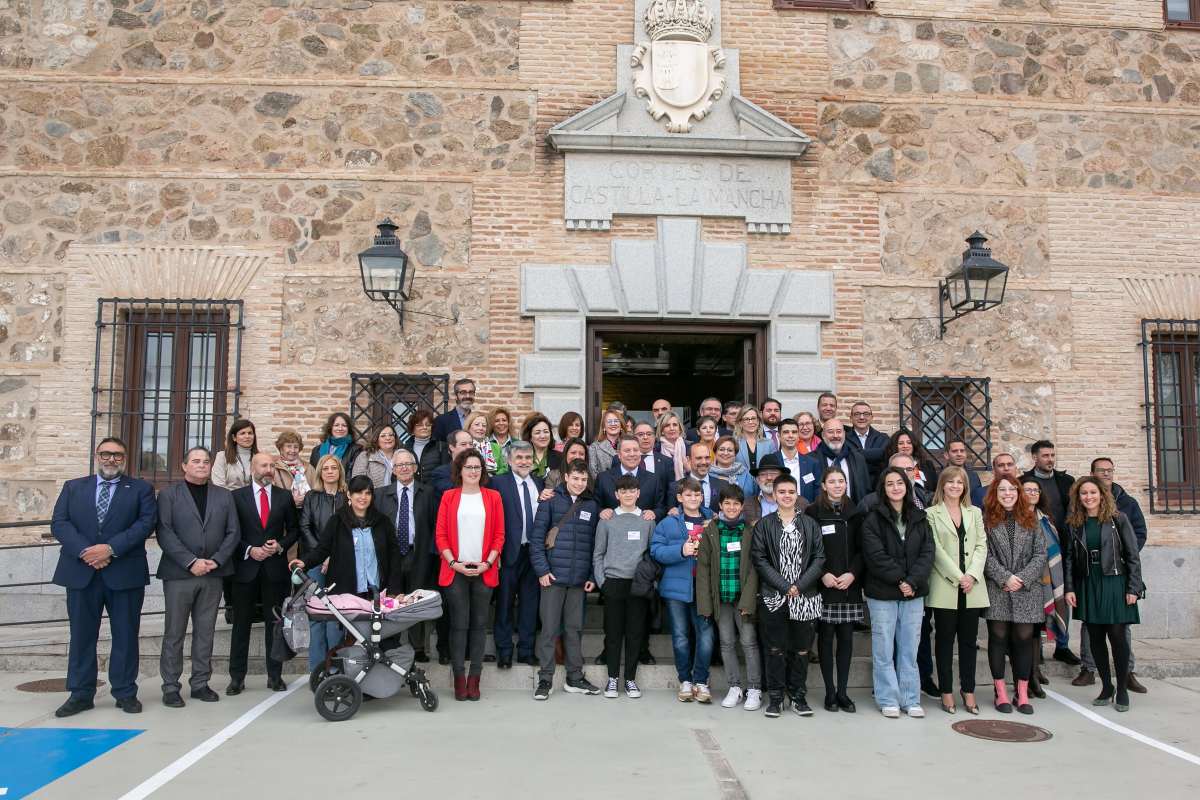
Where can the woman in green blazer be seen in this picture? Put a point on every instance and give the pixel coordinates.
(957, 592)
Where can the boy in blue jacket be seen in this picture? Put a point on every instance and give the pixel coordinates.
(674, 545)
(565, 574)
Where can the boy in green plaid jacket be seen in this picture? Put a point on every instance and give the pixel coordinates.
(727, 589)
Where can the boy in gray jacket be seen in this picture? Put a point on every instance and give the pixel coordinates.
(621, 541)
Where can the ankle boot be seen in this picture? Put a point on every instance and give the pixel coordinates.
(460, 687)
(1003, 705)
(1023, 704)
(473, 687)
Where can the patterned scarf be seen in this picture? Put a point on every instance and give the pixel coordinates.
(1056, 604)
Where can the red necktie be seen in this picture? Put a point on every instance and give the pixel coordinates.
(264, 508)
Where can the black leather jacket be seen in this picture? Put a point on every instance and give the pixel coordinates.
(1118, 555)
(318, 507)
(764, 554)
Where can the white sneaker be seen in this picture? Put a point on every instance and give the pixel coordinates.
(891, 712)
(753, 699)
(610, 691)
(732, 697)
(686, 692)
(632, 691)
(916, 712)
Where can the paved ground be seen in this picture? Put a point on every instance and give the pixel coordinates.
(599, 748)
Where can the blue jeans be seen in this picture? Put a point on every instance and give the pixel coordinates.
(684, 622)
(895, 636)
(321, 635)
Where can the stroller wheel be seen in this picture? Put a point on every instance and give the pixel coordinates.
(414, 687)
(338, 698)
(429, 698)
(314, 679)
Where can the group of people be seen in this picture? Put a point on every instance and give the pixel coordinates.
(774, 535)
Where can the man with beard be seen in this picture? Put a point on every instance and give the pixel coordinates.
(834, 452)
(102, 522)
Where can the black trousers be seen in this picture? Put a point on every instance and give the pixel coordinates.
(624, 625)
(271, 594)
(843, 634)
(787, 644)
(470, 600)
(961, 624)
(1014, 639)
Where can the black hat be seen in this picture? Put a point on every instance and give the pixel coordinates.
(770, 461)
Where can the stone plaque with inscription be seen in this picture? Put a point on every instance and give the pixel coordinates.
(599, 185)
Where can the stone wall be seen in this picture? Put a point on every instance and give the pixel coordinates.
(1065, 130)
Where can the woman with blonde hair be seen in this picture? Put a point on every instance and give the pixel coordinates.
(1103, 579)
(327, 496)
(957, 591)
(291, 473)
(752, 440)
(500, 434)
(672, 444)
(375, 460)
(603, 450)
(476, 425)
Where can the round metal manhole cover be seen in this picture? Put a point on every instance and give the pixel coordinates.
(998, 730)
(49, 685)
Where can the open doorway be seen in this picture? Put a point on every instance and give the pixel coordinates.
(637, 362)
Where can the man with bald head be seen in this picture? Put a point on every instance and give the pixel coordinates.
(834, 451)
(1003, 466)
(268, 527)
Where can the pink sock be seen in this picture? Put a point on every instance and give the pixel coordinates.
(1001, 693)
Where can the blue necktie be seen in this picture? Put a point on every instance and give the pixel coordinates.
(402, 532)
(528, 512)
(105, 499)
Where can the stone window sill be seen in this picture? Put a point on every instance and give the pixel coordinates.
(1179, 24)
(824, 5)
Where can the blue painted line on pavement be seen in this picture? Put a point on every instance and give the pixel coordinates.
(30, 758)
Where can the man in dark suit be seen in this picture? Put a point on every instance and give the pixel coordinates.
(453, 420)
(832, 451)
(629, 462)
(268, 525)
(652, 459)
(102, 522)
(439, 481)
(709, 407)
(864, 437)
(198, 533)
(710, 485)
(411, 506)
(519, 491)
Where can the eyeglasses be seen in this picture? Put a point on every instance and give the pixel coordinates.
(472, 468)
(109, 455)
(405, 465)
(861, 414)
(1099, 471)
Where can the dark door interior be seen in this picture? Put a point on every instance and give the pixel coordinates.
(636, 363)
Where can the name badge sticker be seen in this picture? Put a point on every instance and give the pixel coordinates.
(808, 478)
(828, 529)
(634, 536)
(585, 516)
(733, 547)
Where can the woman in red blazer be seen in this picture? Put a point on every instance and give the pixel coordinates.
(470, 538)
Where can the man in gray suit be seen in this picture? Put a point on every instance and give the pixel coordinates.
(197, 531)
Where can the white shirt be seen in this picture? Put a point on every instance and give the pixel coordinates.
(792, 464)
(862, 438)
(526, 524)
(471, 521)
(648, 461)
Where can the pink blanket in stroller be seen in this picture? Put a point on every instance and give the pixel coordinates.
(352, 605)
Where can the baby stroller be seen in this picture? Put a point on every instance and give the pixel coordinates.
(360, 665)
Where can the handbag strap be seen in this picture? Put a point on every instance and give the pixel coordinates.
(570, 511)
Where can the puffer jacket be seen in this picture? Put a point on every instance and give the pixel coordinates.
(890, 559)
(375, 465)
(570, 560)
(318, 507)
(666, 547)
(1118, 555)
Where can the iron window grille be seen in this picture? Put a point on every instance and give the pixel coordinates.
(167, 377)
(939, 410)
(377, 399)
(1171, 369)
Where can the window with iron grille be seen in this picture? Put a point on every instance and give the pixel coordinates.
(166, 378)
(1171, 364)
(940, 410)
(376, 399)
